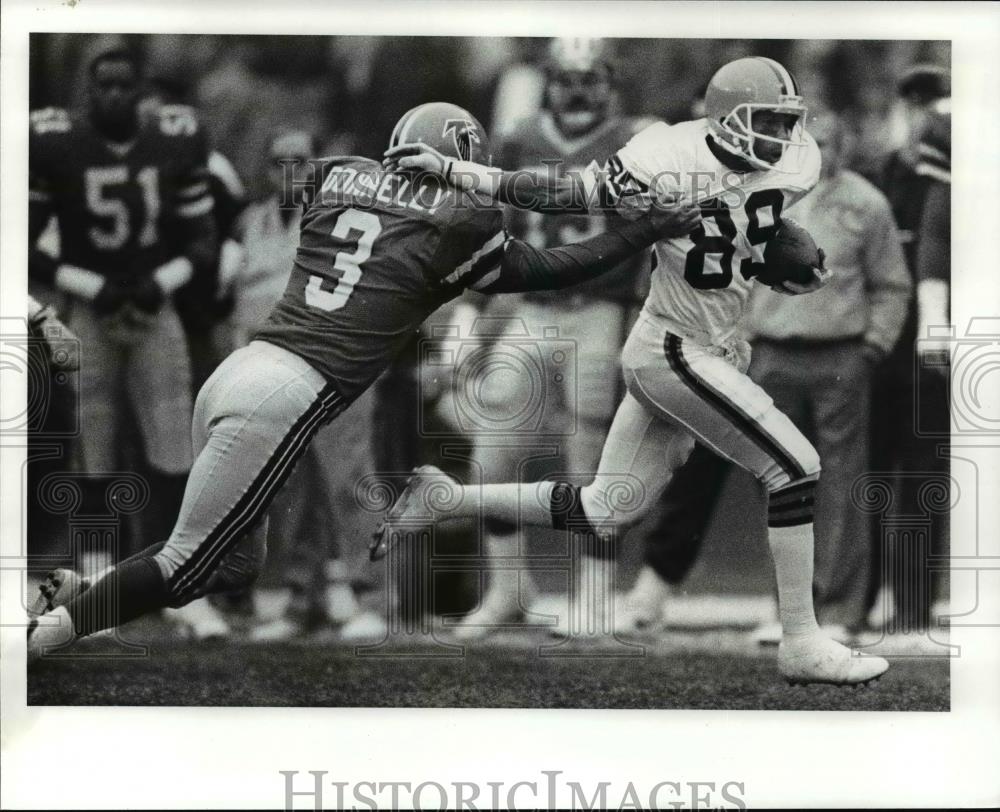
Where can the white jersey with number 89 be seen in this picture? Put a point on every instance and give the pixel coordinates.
(701, 282)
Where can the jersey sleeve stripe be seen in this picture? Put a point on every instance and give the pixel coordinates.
(195, 208)
(221, 168)
(929, 170)
(487, 279)
(619, 184)
(194, 190)
(932, 153)
(487, 269)
(466, 267)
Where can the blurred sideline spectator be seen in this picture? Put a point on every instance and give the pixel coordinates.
(814, 355)
(577, 127)
(896, 446)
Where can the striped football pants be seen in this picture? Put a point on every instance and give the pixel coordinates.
(678, 392)
(253, 419)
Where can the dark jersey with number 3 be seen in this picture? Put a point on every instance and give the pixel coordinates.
(117, 203)
(377, 255)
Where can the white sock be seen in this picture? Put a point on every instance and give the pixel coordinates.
(508, 587)
(517, 504)
(792, 551)
(593, 601)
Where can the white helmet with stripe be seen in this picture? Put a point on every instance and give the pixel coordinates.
(742, 87)
(448, 128)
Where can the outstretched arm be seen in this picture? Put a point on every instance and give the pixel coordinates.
(524, 268)
(522, 189)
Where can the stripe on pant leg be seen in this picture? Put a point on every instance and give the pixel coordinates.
(254, 502)
(764, 441)
(255, 510)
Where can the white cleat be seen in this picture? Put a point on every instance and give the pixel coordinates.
(643, 609)
(365, 627)
(57, 589)
(49, 633)
(883, 611)
(199, 620)
(492, 616)
(277, 631)
(413, 508)
(816, 658)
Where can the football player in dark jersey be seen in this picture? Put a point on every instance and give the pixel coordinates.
(576, 127)
(379, 252)
(118, 184)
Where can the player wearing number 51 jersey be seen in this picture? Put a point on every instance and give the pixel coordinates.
(131, 201)
(684, 370)
(379, 252)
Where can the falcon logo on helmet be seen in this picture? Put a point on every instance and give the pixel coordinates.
(465, 133)
(448, 128)
(740, 89)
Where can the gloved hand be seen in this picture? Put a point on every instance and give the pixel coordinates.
(819, 278)
(110, 298)
(147, 295)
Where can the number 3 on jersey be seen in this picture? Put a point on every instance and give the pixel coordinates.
(366, 227)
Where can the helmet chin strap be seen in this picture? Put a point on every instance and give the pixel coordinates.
(742, 143)
(742, 150)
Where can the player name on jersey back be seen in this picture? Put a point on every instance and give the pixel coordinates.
(367, 186)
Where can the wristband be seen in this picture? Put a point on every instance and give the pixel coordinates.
(79, 281)
(174, 274)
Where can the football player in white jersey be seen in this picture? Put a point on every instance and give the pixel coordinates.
(744, 163)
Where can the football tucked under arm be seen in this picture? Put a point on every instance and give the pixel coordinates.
(793, 264)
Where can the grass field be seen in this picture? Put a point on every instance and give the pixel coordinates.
(703, 670)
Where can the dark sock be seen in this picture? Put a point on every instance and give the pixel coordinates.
(160, 515)
(149, 552)
(132, 589)
(568, 514)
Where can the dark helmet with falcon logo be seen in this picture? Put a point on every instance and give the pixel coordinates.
(448, 128)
